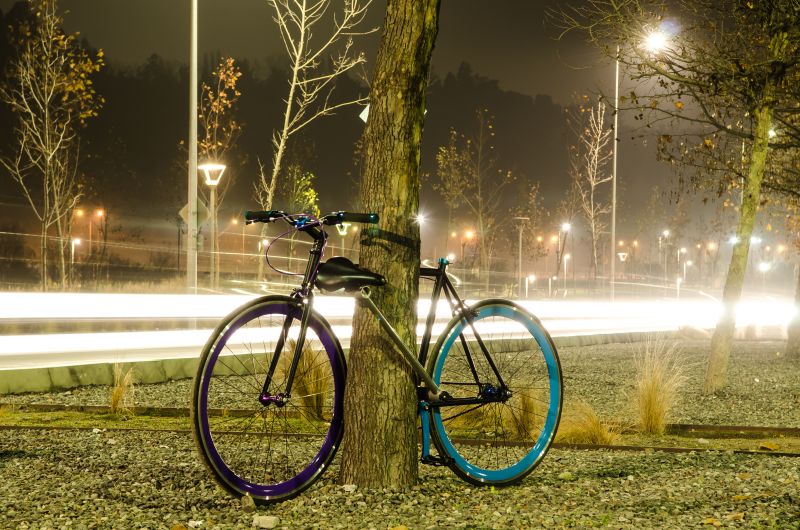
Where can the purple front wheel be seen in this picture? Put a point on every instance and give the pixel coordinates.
(269, 449)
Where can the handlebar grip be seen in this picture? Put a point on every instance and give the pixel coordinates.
(261, 216)
(351, 217)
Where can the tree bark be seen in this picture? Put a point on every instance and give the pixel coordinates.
(721, 341)
(793, 333)
(380, 441)
(43, 257)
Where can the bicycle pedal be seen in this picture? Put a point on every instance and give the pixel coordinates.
(436, 460)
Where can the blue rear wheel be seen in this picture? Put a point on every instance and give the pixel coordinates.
(504, 436)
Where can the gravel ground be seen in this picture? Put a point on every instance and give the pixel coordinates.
(763, 389)
(80, 479)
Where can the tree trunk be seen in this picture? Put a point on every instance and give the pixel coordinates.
(380, 441)
(62, 258)
(793, 333)
(43, 257)
(717, 371)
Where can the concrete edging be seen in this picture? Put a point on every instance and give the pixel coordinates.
(149, 372)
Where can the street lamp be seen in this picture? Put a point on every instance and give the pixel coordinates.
(687, 263)
(566, 259)
(654, 42)
(521, 225)
(528, 280)
(763, 268)
(191, 225)
(72, 244)
(213, 173)
(468, 235)
(341, 228)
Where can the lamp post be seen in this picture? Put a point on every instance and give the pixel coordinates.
(519, 254)
(566, 259)
(468, 235)
(528, 280)
(654, 43)
(665, 234)
(763, 268)
(72, 244)
(191, 226)
(341, 228)
(687, 263)
(213, 173)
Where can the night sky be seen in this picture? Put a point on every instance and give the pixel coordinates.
(507, 41)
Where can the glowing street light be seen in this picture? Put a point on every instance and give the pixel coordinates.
(655, 41)
(213, 173)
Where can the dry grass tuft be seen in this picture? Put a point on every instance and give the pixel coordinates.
(660, 373)
(311, 380)
(123, 390)
(580, 424)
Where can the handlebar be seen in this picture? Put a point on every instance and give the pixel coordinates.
(335, 218)
(262, 216)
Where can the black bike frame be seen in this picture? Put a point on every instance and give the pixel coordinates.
(304, 297)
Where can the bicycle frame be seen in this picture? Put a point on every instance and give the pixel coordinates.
(304, 295)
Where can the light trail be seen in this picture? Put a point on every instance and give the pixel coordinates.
(561, 318)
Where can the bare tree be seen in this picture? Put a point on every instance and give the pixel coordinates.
(588, 158)
(566, 211)
(484, 186)
(531, 206)
(451, 177)
(50, 91)
(315, 62)
(729, 73)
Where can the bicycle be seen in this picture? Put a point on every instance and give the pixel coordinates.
(267, 404)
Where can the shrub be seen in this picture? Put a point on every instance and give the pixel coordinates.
(660, 373)
(580, 424)
(122, 391)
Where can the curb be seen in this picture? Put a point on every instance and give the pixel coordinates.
(149, 372)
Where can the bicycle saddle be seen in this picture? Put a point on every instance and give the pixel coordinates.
(341, 273)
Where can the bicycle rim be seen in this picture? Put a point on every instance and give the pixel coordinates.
(268, 452)
(497, 442)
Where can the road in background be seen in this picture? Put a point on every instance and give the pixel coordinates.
(26, 321)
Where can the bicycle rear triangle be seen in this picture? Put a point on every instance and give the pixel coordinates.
(267, 404)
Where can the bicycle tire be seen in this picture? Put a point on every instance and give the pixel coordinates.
(268, 452)
(497, 443)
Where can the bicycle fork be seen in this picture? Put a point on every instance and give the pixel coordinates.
(280, 399)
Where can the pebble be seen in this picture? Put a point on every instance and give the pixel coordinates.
(265, 521)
